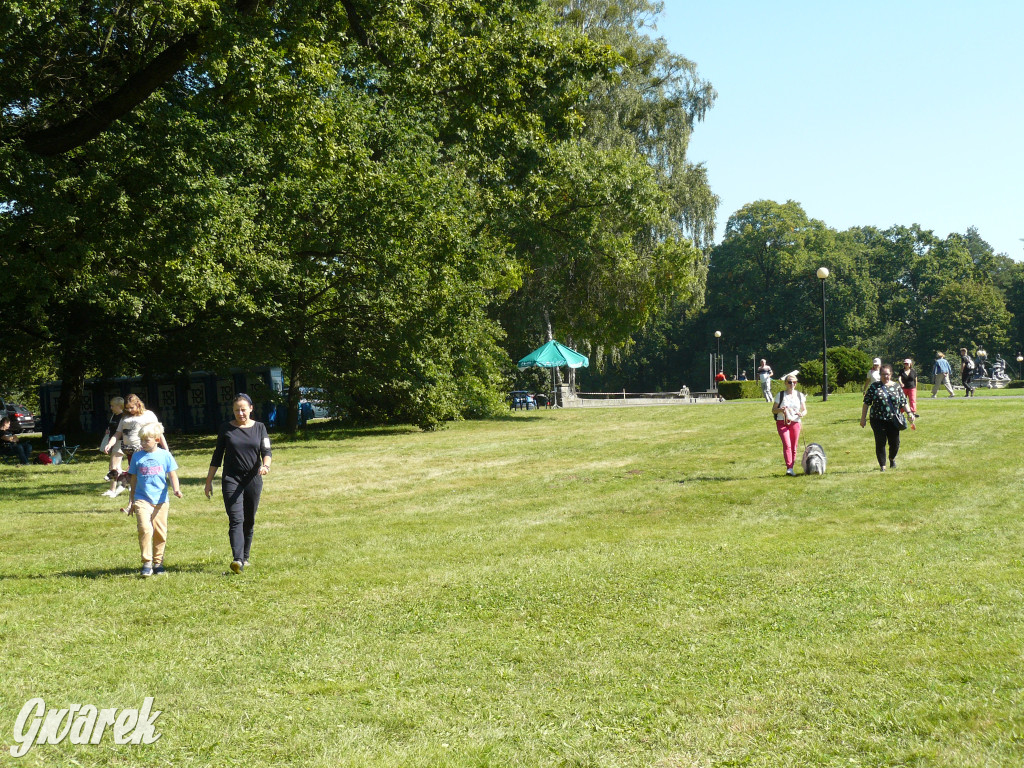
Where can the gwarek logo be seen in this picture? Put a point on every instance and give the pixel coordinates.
(82, 725)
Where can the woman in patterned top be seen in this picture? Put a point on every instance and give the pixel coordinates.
(885, 400)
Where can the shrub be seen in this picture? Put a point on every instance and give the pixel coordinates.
(739, 390)
(751, 390)
(810, 373)
(845, 366)
(848, 365)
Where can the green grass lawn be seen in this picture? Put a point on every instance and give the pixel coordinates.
(607, 587)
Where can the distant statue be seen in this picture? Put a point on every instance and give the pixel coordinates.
(999, 369)
(980, 367)
(991, 376)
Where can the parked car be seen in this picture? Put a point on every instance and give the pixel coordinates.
(314, 396)
(22, 419)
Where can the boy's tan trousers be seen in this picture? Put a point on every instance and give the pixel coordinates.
(152, 522)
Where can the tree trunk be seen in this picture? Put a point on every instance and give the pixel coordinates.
(556, 373)
(294, 383)
(72, 382)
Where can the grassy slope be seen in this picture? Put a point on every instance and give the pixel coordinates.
(611, 587)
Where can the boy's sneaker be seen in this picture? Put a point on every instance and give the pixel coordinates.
(237, 566)
(159, 570)
(117, 491)
(108, 493)
(790, 472)
(147, 570)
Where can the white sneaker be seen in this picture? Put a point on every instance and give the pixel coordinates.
(790, 472)
(108, 493)
(117, 492)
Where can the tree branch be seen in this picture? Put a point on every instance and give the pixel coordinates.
(96, 118)
(93, 120)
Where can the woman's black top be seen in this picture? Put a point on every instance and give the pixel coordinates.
(241, 450)
(114, 423)
(908, 379)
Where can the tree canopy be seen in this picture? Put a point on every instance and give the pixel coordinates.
(893, 293)
(371, 195)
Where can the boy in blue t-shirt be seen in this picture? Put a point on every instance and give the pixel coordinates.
(149, 470)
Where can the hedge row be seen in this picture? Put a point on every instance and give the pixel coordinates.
(751, 390)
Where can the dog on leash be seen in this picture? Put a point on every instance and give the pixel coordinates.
(814, 461)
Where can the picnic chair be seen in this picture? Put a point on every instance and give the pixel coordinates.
(63, 450)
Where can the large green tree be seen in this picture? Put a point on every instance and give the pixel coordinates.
(184, 183)
(763, 292)
(610, 225)
(968, 314)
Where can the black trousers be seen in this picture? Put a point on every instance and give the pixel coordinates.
(21, 450)
(885, 432)
(241, 500)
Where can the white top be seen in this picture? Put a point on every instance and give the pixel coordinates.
(874, 376)
(793, 404)
(130, 426)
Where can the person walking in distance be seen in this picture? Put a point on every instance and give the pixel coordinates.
(908, 381)
(966, 372)
(940, 374)
(112, 445)
(243, 447)
(764, 375)
(874, 373)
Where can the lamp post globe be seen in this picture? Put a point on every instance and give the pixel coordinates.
(822, 274)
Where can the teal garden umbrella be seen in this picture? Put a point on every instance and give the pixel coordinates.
(554, 355)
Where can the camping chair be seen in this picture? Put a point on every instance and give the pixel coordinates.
(65, 451)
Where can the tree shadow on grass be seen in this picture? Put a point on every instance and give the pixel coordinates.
(92, 503)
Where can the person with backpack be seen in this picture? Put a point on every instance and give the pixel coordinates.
(788, 408)
(966, 372)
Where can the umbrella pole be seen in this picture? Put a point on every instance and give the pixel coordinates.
(554, 388)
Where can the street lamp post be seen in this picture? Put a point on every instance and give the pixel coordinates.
(1020, 359)
(718, 355)
(822, 274)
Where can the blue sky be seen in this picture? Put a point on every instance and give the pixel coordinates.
(866, 113)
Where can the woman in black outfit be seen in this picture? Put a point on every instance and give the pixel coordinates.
(244, 447)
